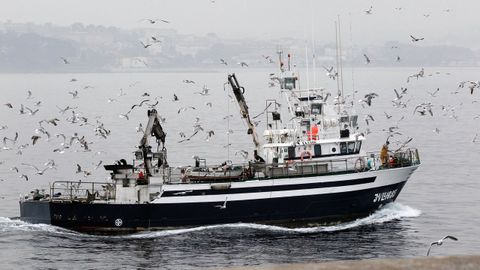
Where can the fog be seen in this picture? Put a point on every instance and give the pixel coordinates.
(445, 22)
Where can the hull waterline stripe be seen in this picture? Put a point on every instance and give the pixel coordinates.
(270, 188)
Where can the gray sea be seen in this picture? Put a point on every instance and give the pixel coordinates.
(441, 198)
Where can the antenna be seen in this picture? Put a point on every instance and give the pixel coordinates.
(351, 54)
(340, 53)
(336, 59)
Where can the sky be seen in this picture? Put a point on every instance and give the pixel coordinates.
(440, 22)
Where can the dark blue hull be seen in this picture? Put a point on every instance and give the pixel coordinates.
(100, 217)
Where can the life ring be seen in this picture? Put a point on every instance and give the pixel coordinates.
(304, 153)
(359, 165)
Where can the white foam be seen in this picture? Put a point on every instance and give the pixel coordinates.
(8, 224)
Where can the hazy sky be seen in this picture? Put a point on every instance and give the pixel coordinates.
(270, 18)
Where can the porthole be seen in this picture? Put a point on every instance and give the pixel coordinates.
(334, 149)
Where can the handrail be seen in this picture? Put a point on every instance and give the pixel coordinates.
(334, 165)
(82, 191)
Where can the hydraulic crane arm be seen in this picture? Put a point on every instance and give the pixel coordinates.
(153, 128)
(238, 91)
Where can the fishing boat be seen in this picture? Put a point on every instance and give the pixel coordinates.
(310, 167)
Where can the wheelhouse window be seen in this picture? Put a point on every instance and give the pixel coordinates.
(358, 146)
(351, 147)
(343, 148)
(289, 83)
(316, 108)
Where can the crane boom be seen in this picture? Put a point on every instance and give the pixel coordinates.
(238, 91)
(153, 128)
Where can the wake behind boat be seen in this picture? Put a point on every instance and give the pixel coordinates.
(311, 169)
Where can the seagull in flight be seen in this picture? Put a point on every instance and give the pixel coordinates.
(434, 94)
(153, 21)
(440, 242)
(332, 74)
(367, 59)
(369, 11)
(414, 39)
(243, 64)
(222, 206)
(38, 171)
(145, 45)
(65, 60)
(223, 62)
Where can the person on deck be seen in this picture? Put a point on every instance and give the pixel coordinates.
(384, 154)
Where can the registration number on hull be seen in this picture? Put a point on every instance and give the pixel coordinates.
(380, 197)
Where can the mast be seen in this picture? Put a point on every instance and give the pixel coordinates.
(238, 91)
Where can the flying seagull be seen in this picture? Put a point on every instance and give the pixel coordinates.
(440, 242)
(414, 39)
(367, 59)
(153, 21)
(222, 206)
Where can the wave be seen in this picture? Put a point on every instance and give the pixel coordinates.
(389, 212)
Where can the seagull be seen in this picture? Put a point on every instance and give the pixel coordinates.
(24, 177)
(140, 128)
(223, 62)
(38, 171)
(175, 97)
(369, 11)
(31, 112)
(145, 45)
(155, 39)
(368, 118)
(153, 21)
(387, 115)
(434, 94)
(420, 74)
(414, 39)
(208, 104)
(182, 109)
(243, 64)
(222, 206)
(475, 138)
(204, 91)
(98, 165)
(65, 61)
(191, 136)
(210, 133)
(74, 94)
(243, 153)
(29, 94)
(368, 98)
(138, 105)
(440, 242)
(366, 58)
(436, 130)
(332, 74)
(423, 108)
(35, 139)
(189, 81)
(66, 109)
(124, 115)
(9, 105)
(14, 140)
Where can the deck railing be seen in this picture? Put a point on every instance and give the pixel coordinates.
(82, 191)
(306, 167)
